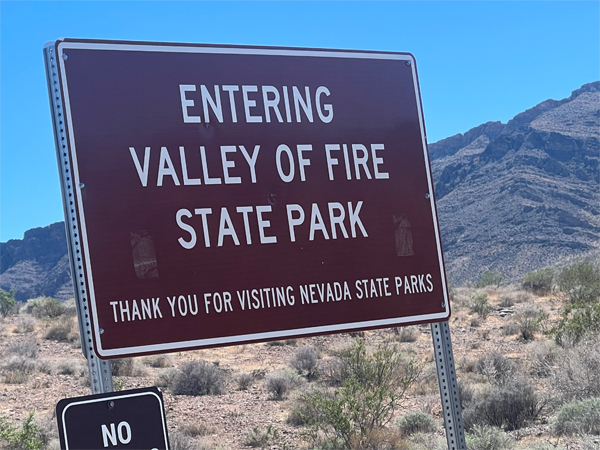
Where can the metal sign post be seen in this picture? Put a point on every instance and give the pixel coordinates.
(451, 409)
(99, 370)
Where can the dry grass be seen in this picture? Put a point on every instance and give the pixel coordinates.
(36, 372)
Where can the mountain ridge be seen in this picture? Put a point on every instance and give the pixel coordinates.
(514, 197)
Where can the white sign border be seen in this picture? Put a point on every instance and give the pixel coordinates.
(115, 397)
(198, 343)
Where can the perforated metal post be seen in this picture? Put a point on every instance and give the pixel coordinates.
(444, 360)
(99, 370)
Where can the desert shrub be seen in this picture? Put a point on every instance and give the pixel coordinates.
(485, 437)
(466, 394)
(467, 364)
(480, 304)
(15, 369)
(158, 361)
(576, 372)
(523, 297)
(179, 441)
(490, 278)
(416, 422)
(332, 371)
(358, 411)
(62, 331)
(121, 367)
(244, 381)
(577, 322)
(70, 367)
(579, 417)
(126, 367)
(47, 430)
(196, 429)
(259, 438)
(427, 382)
(7, 302)
(543, 358)
(580, 282)
(24, 324)
(301, 412)
(305, 361)
(45, 308)
(539, 281)
(165, 378)
(407, 334)
(26, 349)
(281, 343)
(498, 370)
(198, 378)
(25, 438)
(280, 383)
(510, 329)
(511, 406)
(529, 320)
(506, 301)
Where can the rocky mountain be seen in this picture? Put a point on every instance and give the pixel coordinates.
(511, 197)
(522, 195)
(37, 265)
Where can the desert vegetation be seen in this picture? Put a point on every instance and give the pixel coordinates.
(527, 358)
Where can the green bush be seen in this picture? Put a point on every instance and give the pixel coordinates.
(198, 378)
(485, 437)
(372, 387)
(480, 304)
(46, 308)
(580, 417)
(416, 422)
(539, 281)
(580, 282)
(577, 322)
(25, 438)
(258, 438)
(7, 302)
(529, 320)
(490, 278)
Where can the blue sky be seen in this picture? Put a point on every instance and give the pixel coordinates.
(477, 61)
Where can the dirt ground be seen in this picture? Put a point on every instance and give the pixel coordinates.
(225, 421)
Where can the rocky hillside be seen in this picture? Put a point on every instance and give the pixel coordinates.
(37, 265)
(522, 195)
(511, 197)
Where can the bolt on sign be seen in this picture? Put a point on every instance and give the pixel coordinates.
(229, 194)
(133, 419)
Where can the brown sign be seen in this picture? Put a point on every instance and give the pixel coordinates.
(133, 419)
(238, 194)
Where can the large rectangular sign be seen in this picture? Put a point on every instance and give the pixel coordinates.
(236, 194)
